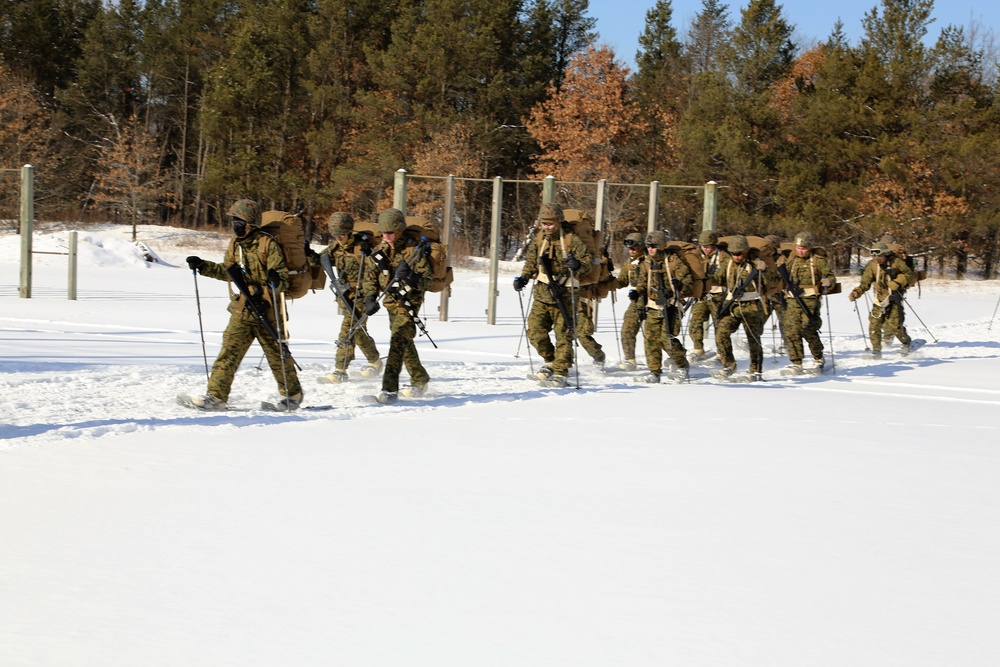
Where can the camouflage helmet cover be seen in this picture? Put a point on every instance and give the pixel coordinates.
(739, 243)
(634, 240)
(551, 212)
(708, 238)
(247, 211)
(340, 223)
(657, 238)
(391, 221)
(805, 239)
(880, 248)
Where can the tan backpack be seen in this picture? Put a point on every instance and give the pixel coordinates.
(288, 231)
(421, 231)
(582, 225)
(696, 262)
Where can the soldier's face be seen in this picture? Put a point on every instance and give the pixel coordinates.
(801, 250)
(738, 256)
(880, 259)
(708, 249)
(390, 237)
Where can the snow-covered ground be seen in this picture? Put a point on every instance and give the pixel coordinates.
(850, 519)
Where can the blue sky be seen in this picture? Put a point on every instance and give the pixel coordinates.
(620, 22)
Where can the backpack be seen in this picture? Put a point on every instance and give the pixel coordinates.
(288, 231)
(582, 226)
(420, 230)
(695, 260)
(898, 250)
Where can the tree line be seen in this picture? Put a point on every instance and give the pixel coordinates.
(167, 110)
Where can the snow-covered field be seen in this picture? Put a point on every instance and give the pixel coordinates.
(852, 519)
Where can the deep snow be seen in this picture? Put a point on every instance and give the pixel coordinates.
(847, 519)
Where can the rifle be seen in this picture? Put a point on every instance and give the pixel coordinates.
(557, 291)
(664, 302)
(728, 304)
(795, 290)
(235, 272)
(400, 291)
(338, 285)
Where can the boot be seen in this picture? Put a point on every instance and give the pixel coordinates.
(371, 369)
(680, 375)
(290, 403)
(206, 402)
(649, 378)
(415, 390)
(599, 361)
(386, 397)
(335, 377)
(904, 349)
(556, 381)
(628, 365)
(697, 354)
(545, 372)
(818, 364)
(794, 369)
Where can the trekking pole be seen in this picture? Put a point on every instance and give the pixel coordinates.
(990, 327)
(774, 338)
(576, 342)
(524, 332)
(201, 326)
(829, 331)
(864, 335)
(918, 317)
(281, 345)
(614, 320)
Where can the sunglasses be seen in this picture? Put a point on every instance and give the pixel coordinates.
(654, 246)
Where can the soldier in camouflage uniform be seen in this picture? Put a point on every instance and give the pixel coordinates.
(890, 275)
(776, 300)
(585, 332)
(347, 254)
(555, 292)
(263, 266)
(636, 311)
(708, 305)
(747, 309)
(811, 274)
(666, 278)
(404, 274)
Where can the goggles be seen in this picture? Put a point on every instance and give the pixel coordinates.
(632, 243)
(654, 246)
(738, 253)
(877, 252)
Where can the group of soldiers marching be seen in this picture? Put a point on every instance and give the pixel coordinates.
(741, 287)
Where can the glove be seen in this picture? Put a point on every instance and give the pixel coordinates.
(611, 266)
(405, 274)
(855, 294)
(310, 252)
(760, 264)
(710, 271)
(365, 245)
(194, 262)
(633, 295)
(382, 261)
(520, 283)
(371, 305)
(572, 263)
(894, 285)
(273, 279)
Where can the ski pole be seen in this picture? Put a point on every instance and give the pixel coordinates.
(614, 320)
(201, 326)
(918, 318)
(829, 331)
(524, 333)
(576, 342)
(281, 346)
(990, 327)
(864, 335)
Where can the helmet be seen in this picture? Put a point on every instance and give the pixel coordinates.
(805, 240)
(739, 244)
(880, 248)
(708, 238)
(391, 221)
(551, 212)
(247, 211)
(773, 240)
(634, 241)
(340, 223)
(888, 238)
(656, 239)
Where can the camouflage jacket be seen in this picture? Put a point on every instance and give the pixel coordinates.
(631, 273)
(555, 250)
(715, 287)
(894, 270)
(733, 274)
(257, 253)
(380, 271)
(676, 280)
(808, 274)
(346, 258)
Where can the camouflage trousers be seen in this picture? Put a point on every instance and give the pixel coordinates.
(659, 339)
(887, 322)
(798, 326)
(630, 329)
(402, 351)
(345, 348)
(749, 315)
(543, 318)
(585, 330)
(236, 340)
(700, 314)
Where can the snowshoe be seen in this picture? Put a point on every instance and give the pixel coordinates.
(628, 365)
(649, 378)
(544, 373)
(679, 375)
(724, 373)
(914, 345)
(556, 382)
(381, 398)
(793, 370)
(413, 391)
(286, 404)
